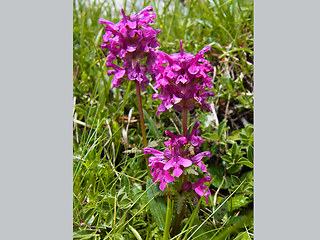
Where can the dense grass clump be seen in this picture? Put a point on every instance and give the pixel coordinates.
(113, 194)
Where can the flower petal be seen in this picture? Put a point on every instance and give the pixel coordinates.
(184, 162)
(177, 172)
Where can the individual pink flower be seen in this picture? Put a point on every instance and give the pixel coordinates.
(182, 79)
(130, 39)
(199, 187)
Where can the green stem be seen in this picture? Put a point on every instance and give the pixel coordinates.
(166, 234)
(143, 129)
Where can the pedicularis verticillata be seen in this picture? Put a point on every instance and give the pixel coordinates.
(129, 40)
(178, 157)
(182, 79)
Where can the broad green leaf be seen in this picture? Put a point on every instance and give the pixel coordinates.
(233, 168)
(218, 172)
(222, 210)
(237, 202)
(152, 125)
(235, 180)
(158, 206)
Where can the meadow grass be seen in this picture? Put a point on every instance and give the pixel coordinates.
(113, 195)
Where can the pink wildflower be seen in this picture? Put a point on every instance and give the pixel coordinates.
(183, 80)
(176, 157)
(199, 187)
(129, 39)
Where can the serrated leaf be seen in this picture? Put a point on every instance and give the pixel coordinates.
(180, 201)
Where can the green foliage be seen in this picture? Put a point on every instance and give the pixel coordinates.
(157, 205)
(113, 195)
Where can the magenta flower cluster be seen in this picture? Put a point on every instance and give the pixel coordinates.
(182, 79)
(167, 165)
(131, 39)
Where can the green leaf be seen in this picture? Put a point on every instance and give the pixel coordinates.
(227, 158)
(233, 168)
(250, 153)
(218, 172)
(125, 203)
(218, 215)
(140, 174)
(124, 182)
(221, 128)
(235, 180)
(234, 150)
(152, 125)
(88, 214)
(246, 162)
(157, 205)
(237, 202)
(166, 234)
(85, 234)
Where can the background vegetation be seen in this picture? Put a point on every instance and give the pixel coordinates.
(113, 194)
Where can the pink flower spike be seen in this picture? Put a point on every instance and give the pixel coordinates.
(130, 39)
(177, 156)
(184, 76)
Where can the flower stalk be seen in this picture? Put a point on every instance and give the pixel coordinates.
(142, 125)
(185, 121)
